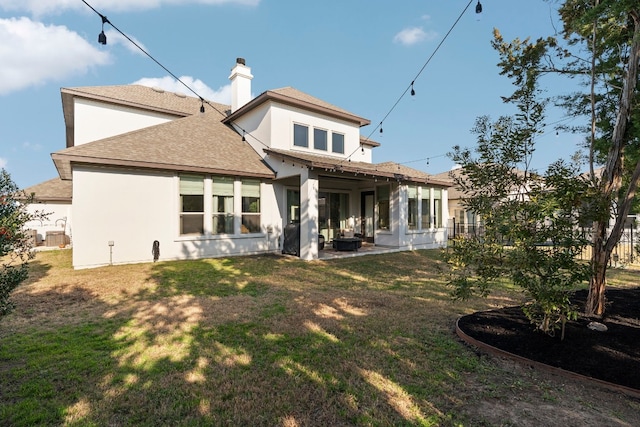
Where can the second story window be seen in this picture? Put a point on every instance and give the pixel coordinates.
(320, 139)
(300, 136)
(337, 143)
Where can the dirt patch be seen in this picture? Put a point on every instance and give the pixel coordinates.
(549, 398)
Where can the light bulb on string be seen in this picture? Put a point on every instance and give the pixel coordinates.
(102, 37)
(413, 92)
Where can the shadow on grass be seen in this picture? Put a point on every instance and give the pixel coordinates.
(235, 342)
(37, 271)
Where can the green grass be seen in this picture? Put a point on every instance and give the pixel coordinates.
(258, 340)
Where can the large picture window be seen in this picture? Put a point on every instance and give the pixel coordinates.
(383, 206)
(320, 139)
(300, 136)
(222, 189)
(191, 204)
(250, 206)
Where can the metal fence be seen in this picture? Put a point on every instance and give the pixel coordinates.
(623, 254)
(457, 229)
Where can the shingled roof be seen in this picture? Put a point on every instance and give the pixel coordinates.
(199, 143)
(53, 190)
(135, 96)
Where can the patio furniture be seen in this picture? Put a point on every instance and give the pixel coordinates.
(347, 243)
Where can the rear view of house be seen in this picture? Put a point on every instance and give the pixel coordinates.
(148, 166)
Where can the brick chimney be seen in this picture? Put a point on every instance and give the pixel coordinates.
(240, 84)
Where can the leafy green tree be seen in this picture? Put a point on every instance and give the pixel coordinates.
(530, 221)
(15, 244)
(609, 30)
(600, 45)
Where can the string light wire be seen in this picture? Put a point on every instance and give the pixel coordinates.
(410, 86)
(203, 101)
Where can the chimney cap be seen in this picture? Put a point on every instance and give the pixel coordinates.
(240, 61)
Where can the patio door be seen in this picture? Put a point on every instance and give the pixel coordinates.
(333, 214)
(367, 205)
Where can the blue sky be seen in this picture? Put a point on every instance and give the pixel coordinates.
(360, 55)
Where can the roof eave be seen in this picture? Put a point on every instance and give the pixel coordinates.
(115, 101)
(63, 164)
(293, 102)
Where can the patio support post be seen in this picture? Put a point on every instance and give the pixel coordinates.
(308, 214)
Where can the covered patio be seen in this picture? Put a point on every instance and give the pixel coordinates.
(387, 206)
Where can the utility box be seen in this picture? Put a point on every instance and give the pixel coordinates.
(55, 238)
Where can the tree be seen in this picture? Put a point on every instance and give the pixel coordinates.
(530, 221)
(610, 31)
(15, 245)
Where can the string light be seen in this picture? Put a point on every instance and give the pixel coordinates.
(410, 88)
(102, 39)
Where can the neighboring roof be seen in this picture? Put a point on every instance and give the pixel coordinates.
(295, 98)
(199, 143)
(454, 192)
(53, 190)
(392, 170)
(135, 96)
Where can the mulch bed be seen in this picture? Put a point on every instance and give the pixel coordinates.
(612, 356)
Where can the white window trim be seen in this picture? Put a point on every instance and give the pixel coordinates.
(208, 212)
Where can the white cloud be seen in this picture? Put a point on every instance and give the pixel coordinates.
(43, 7)
(222, 95)
(32, 53)
(413, 35)
(3, 162)
(31, 147)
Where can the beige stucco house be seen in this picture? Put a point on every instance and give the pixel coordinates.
(148, 166)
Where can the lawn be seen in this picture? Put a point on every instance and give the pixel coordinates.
(267, 340)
